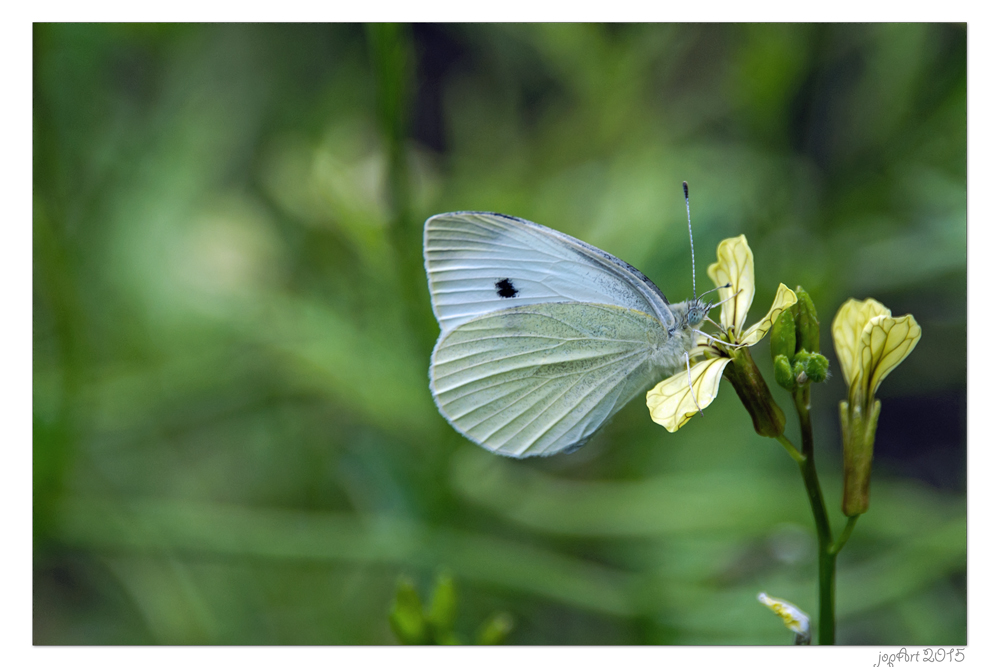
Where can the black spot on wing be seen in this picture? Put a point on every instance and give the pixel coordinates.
(505, 289)
(582, 248)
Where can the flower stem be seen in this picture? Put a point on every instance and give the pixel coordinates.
(827, 556)
(845, 535)
(790, 448)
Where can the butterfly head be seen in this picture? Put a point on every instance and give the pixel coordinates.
(697, 311)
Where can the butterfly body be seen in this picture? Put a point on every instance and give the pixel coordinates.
(543, 337)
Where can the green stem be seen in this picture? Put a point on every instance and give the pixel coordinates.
(845, 535)
(827, 556)
(790, 448)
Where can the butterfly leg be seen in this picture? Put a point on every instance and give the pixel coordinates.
(720, 342)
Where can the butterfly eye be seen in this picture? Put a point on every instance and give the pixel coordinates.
(696, 313)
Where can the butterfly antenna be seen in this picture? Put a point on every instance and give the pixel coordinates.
(687, 202)
(726, 286)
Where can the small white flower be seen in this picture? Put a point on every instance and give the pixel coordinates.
(794, 618)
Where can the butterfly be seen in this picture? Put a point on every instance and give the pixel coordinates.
(543, 337)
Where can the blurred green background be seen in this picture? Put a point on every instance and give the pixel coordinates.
(234, 441)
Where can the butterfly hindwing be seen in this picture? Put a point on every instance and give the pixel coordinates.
(539, 379)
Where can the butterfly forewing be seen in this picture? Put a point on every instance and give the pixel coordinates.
(482, 262)
(538, 379)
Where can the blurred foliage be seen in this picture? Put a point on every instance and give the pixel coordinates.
(412, 624)
(234, 441)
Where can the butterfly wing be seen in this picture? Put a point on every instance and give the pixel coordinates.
(538, 379)
(478, 263)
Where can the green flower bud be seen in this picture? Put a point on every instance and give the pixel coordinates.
(816, 367)
(810, 366)
(783, 374)
(799, 362)
(806, 322)
(783, 335)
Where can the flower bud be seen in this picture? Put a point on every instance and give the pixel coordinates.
(783, 374)
(806, 322)
(817, 367)
(812, 365)
(783, 335)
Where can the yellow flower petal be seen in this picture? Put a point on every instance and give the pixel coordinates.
(735, 266)
(782, 300)
(794, 618)
(671, 403)
(885, 342)
(848, 324)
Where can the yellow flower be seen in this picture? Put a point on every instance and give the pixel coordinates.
(674, 401)
(870, 342)
(794, 618)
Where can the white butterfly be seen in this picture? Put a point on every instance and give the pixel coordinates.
(543, 337)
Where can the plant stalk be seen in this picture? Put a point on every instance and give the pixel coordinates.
(827, 554)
